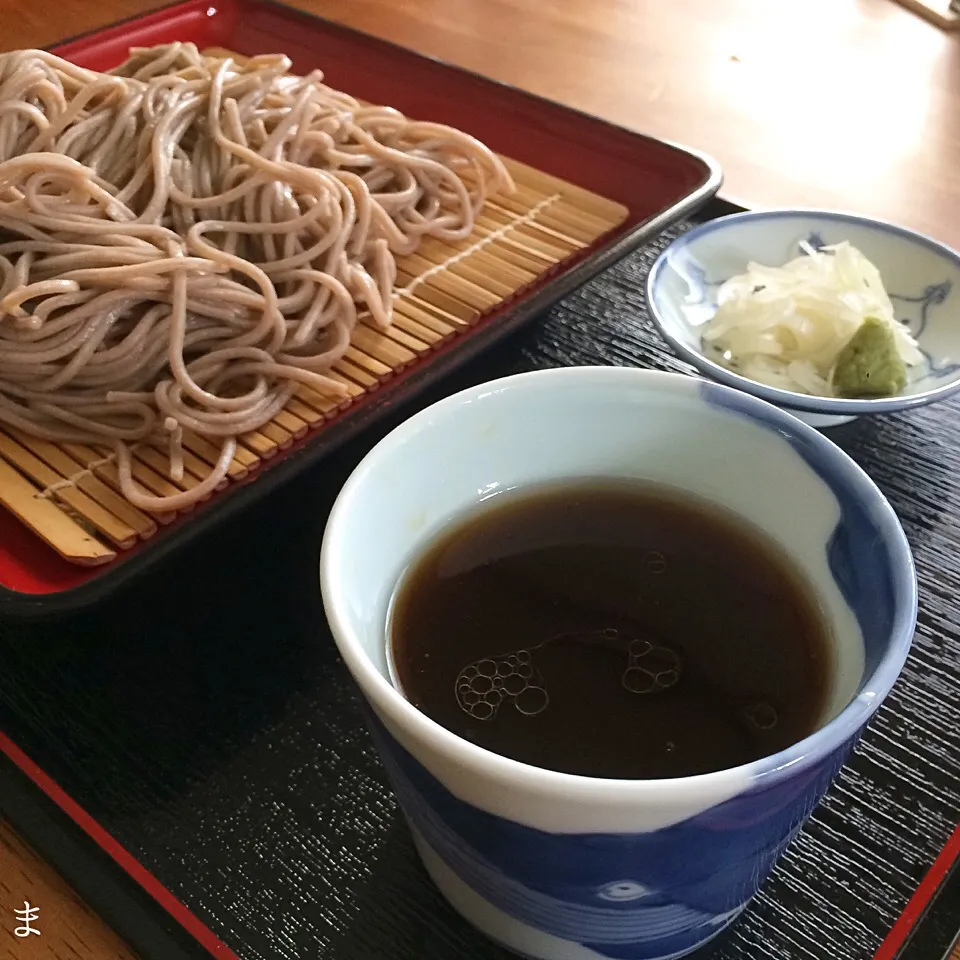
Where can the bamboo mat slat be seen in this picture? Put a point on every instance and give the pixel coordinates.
(68, 494)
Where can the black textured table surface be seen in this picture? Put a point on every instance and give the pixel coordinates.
(205, 719)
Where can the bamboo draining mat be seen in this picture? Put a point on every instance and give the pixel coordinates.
(68, 493)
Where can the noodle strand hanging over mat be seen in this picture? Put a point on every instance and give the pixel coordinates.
(186, 240)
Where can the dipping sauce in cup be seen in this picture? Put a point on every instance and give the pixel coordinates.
(562, 866)
(554, 625)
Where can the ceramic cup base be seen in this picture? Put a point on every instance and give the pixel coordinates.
(558, 867)
(511, 934)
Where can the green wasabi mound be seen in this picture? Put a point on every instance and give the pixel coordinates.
(869, 365)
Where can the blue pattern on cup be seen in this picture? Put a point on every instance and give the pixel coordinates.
(636, 896)
(858, 553)
(623, 891)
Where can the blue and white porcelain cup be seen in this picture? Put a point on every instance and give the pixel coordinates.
(561, 867)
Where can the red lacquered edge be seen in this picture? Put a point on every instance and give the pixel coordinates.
(205, 22)
(920, 900)
(125, 860)
(34, 580)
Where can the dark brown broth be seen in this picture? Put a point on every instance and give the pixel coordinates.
(611, 629)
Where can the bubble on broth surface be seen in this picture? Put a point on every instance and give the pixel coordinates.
(656, 562)
(761, 715)
(650, 667)
(485, 685)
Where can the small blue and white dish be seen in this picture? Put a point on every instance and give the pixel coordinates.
(561, 867)
(921, 276)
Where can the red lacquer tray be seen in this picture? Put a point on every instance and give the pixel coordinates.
(658, 184)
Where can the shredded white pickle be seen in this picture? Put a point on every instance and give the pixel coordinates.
(785, 326)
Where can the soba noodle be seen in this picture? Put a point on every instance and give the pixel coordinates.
(186, 240)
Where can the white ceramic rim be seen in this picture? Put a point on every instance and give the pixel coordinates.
(389, 702)
(837, 406)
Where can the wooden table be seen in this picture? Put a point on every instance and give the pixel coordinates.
(840, 103)
(849, 104)
(66, 929)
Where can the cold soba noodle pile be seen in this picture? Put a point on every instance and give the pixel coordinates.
(186, 240)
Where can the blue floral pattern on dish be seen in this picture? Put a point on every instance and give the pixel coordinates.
(933, 295)
(914, 313)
